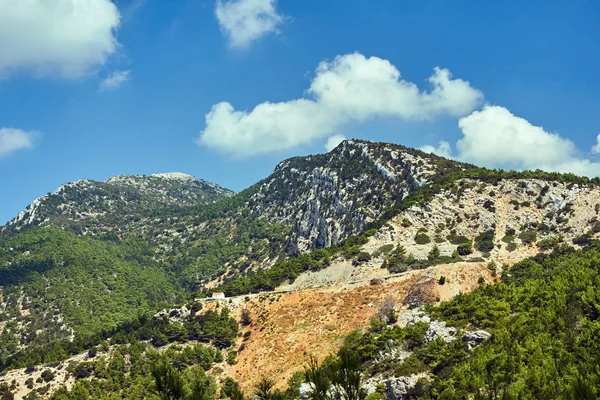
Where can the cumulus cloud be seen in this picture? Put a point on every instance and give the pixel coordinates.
(62, 37)
(350, 89)
(244, 21)
(443, 150)
(12, 140)
(495, 138)
(114, 80)
(334, 141)
(596, 148)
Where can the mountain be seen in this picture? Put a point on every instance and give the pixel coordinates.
(338, 237)
(118, 205)
(328, 197)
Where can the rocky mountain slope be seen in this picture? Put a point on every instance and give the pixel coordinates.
(118, 205)
(365, 218)
(328, 197)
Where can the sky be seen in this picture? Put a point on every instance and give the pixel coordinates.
(226, 89)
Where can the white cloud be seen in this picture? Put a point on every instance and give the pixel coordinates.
(12, 140)
(334, 141)
(247, 20)
(350, 89)
(495, 138)
(62, 37)
(114, 80)
(443, 150)
(596, 148)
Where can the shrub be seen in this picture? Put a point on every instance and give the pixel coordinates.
(465, 249)
(489, 205)
(442, 280)
(528, 237)
(484, 242)
(422, 238)
(583, 240)
(231, 355)
(493, 268)
(92, 352)
(508, 238)
(512, 246)
(386, 248)
(434, 254)
(47, 375)
(457, 239)
(550, 243)
(363, 257)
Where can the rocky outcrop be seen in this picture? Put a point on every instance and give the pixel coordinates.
(439, 329)
(326, 198)
(397, 388)
(473, 339)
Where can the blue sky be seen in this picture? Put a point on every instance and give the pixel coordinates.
(523, 91)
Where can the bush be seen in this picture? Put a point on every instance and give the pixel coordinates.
(386, 248)
(442, 280)
(363, 257)
(245, 318)
(457, 239)
(508, 238)
(231, 355)
(528, 237)
(583, 240)
(493, 268)
(434, 254)
(550, 243)
(484, 242)
(47, 375)
(464, 249)
(92, 352)
(422, 238)
(512, 246)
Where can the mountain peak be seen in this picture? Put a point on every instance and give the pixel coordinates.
(176, 176)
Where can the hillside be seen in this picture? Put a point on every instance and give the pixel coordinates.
(332, 235)
(117, 206)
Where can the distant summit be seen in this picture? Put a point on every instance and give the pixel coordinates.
(87, 206)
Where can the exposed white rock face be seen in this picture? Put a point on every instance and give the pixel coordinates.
(175, 175)
(305, 390)
(85, 199)
(397, 388)
(328, 197)
(439, 329)
(475, 338)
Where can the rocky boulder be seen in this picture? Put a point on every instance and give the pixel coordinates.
(397, 388)
(439, 329)
(475, 338)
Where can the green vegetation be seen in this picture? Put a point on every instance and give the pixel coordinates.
(422, 238)
(528, 237)
(544, 321)
(90, 285)
(484, 242)
(457, 239)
